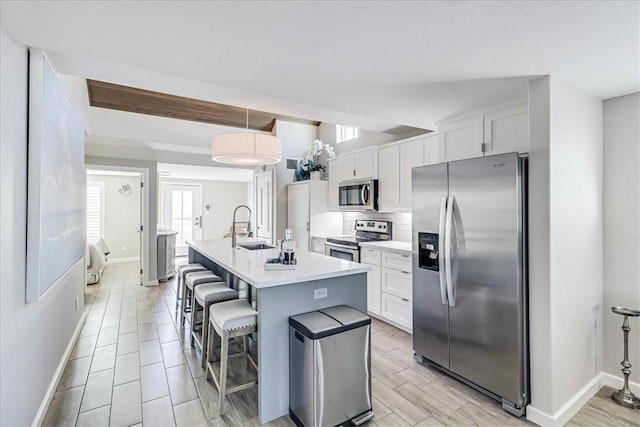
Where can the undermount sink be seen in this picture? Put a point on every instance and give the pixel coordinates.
(255, 246)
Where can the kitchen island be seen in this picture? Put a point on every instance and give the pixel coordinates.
(318, 282)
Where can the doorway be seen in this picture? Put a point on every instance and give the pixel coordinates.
(182, 213)
(115, 218)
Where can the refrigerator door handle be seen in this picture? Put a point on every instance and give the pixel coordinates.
(447, 251)
(441, 257)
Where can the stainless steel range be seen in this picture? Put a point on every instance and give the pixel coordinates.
(366, 231)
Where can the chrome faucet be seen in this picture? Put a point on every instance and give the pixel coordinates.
(233, 231)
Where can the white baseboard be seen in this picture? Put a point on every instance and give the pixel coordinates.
(617, 383)
(120, 260)
(569, 409)
(46, 401)
(151, 283)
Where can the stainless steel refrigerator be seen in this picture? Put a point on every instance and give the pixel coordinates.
(469, 274)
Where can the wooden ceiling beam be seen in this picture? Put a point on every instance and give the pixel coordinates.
(142, 101)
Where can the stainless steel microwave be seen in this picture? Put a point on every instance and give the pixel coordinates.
(358, 195)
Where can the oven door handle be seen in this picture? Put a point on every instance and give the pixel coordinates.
(335, 245)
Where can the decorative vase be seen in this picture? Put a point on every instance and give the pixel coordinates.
(316, 175)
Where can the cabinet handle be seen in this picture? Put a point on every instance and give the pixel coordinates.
(405, 300)
(405, 256)
(405, 272)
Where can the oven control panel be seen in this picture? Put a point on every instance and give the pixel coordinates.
(375, 226)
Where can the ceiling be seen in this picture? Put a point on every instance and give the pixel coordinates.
(375, 65)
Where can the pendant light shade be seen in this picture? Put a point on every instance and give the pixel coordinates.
(246, 148)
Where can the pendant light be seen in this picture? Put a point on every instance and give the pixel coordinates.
(246, 148)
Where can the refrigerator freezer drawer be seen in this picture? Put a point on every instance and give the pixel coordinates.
(397, 283)
(397, 310)
(396, 261)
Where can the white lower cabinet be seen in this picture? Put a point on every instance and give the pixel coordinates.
(389, 286)
(372, 258)
(373, 290)
(397, 283)
(317, 244)
(397, 310)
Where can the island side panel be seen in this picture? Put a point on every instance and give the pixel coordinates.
(275, 306)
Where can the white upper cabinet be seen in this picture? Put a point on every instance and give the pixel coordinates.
(411, 155)
(507, 130)
(395, 163)
(365, 166)
(461, 139)
(388, 178)
(502, 130)
(432, 150)
(359, 165)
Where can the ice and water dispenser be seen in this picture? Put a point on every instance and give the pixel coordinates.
(428, 251)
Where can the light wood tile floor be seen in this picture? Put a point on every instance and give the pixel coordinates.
(133, 365)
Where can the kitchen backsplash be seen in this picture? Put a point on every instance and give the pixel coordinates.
(401, 223)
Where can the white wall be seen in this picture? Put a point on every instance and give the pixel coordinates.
(295, 139)
(223, 197)
(565, 209)
(121, 215)
(33, 337)
(621, 228)
(366, 138)
(576, 266)
(539, 217)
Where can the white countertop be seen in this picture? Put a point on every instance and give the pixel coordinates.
(248, 265)
(392, 245)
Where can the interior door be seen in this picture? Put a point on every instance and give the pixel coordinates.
(430, 307)
(141, 231)
(264, 205)
(183, 213)
(485, 313)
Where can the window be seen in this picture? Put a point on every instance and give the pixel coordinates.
(345, 133)
(95, 210)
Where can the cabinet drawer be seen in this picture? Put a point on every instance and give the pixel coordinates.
(397, 261)
(397, 310)
(370, 256)
(398, 283)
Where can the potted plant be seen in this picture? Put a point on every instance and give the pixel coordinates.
(310, 166)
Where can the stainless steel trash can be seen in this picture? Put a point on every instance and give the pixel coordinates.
(330, 367)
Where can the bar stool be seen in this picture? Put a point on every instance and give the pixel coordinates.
(230, 319)
(183, 270)
(205, 295)
(190, 282)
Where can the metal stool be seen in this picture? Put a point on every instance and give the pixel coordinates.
(183, 270)
(230, 319)
(205, 295)
(191, 281)
(624, 396)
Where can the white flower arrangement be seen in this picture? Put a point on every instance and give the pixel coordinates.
(311, 157)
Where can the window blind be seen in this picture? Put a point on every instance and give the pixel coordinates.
(95, 209)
